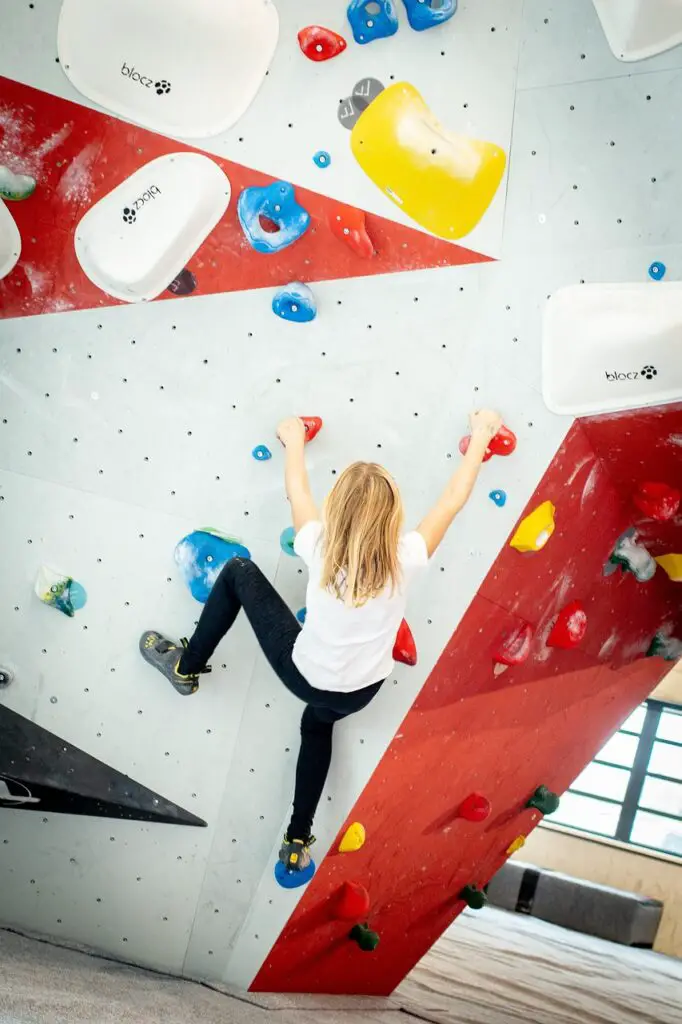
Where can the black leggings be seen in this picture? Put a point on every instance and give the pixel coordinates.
(241, 584)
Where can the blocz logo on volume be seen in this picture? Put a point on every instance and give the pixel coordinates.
(162, 86)
(130, 212)
(647, 372)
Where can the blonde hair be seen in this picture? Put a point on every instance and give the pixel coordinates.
(363, 516)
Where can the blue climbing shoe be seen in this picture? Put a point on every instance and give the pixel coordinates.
(165, 656)
(294, 854)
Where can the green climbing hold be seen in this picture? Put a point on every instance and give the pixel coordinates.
(667, 647)
(630, 555)
(15, 186)
(366, 939)
(544, 800)
(474, 897)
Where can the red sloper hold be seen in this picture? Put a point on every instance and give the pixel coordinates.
(475, 808)
(513, 647)
(319, 43)
(352, 902)
(569, 628)
(347, 223)
(405, 649)
(313, 425)
(503, 443)
(656, 500)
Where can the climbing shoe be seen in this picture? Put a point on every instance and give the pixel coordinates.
(164, 655)
(295, 853)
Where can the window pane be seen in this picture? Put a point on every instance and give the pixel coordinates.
(658, 795)
(661, 833)
(587, 813)
(620, 749)
(600, 780)
(636, 720)
(670, 726)
(666, 760)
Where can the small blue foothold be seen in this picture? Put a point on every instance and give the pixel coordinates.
(301, 614)
(261, 453)
(499, 497)
(423, 14)
(657, 271)
(293, 879)
(276, 203)
(296, 302)
(322, 158)
(286, 541)
(368, 23)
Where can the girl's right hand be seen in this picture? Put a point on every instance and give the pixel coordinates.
(291, 431)
(485, 422)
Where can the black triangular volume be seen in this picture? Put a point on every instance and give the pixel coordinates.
(41, 772)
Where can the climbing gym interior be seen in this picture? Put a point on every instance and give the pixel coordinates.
(377, 216)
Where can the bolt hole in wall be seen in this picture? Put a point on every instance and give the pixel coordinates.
(125, 371)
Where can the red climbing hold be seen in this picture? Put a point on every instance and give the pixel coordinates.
(352, 902)
(313, 425)
(569, 628)
(347, 223)
(656, 500)
(474, 808)
(319, 43)
(405, 649)
(513, 647)
(503, 443)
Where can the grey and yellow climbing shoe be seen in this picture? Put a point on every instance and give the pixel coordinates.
(295, 853)
(165, 655)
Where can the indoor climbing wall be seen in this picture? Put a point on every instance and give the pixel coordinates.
(364, 224)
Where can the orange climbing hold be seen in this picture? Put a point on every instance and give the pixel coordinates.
(503, 443)
(352, 902)
(657, 500)
(313, 425)
(405, 649)
(320, 43)
(475, 808)
(569, 628)
(512, 648)
(347, 223)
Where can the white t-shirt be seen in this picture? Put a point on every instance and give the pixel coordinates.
(344, 648)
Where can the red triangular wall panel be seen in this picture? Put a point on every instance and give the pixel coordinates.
(78, 155)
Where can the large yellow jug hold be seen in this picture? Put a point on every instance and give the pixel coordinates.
(534, 531)
(442, 180)
(353, 838)
(672, 564)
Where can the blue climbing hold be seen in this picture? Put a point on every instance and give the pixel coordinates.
(296, 302)
(270, 217)
(286, 540)
(261, 453)
(293, 879)
(372, 19)
(201, 556)
(423, 14)
(301, 614)
(322, 158)
(657, 271)
(499, 497)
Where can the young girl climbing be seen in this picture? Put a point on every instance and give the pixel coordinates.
(360, 565)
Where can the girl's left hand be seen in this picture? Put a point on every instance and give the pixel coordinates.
(291, 431)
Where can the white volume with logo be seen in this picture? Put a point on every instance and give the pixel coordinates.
(137, 238)
(607, 347)
(637, 29)
(10, 241)
(181, 68)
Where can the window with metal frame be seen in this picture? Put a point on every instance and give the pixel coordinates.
(632, 790)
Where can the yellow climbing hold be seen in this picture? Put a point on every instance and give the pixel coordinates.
(444, 181)
(672, 564)
(517, 845)
(354, 837)
(534, 531)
